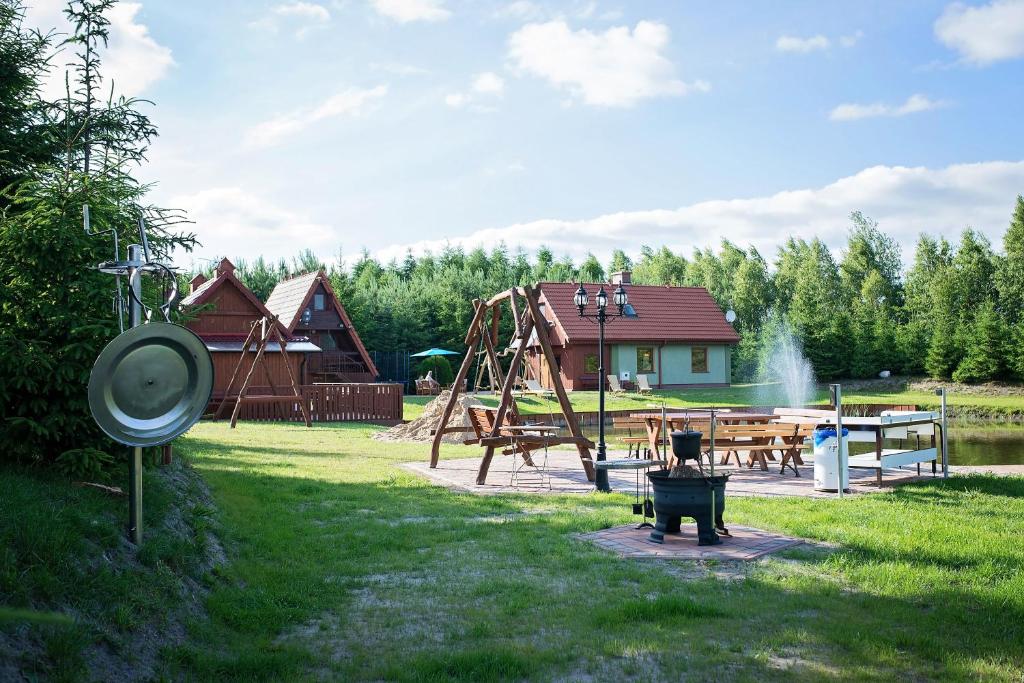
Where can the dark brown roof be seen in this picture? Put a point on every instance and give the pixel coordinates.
(672, 314)
(291, 296)
(225, 276)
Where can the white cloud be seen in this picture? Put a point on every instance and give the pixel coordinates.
(298, 16)
(802, 45)
(983, 34)
(350, 102)
(405, 11)
(486, 85)
(236, 223)
(852, 39)
(520, 9)
(133, 59)
(913, 105)
(615, 68)
(905, 201)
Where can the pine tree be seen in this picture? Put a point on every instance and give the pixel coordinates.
(1010, 274)
(984, 358)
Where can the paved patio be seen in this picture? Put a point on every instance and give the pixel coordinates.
(743, 543)
(566, 476)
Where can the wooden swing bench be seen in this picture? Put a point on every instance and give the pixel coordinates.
(501, 427)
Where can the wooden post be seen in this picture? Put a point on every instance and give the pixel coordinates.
(248, 378)
(503, 406)
(467, 362)
(556, 378)
(238, 366)
(291, 375)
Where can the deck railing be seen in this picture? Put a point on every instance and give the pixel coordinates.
(329, 403)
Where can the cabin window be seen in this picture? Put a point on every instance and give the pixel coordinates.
(699, 359)
(590, 365)
(629, 311)
(327, 342)
(644, 360)
(318, 302)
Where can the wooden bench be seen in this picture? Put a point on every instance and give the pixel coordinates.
(636, 434)
(759, 441)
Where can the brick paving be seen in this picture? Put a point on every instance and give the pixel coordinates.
(744, 543)
(565, 475)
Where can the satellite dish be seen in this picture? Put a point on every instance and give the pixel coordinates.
(150, 384)
(730, 316)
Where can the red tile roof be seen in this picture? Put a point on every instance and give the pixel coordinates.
(672, 314)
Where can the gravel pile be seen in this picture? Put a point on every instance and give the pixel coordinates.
(420, 428)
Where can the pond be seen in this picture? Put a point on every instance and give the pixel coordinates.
(983, 444)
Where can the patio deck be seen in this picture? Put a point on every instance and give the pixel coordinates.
(567, 476)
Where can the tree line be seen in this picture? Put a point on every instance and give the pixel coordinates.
(956, 313)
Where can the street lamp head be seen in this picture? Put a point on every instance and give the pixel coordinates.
(581, 299)
(620, 298)
(601, 299)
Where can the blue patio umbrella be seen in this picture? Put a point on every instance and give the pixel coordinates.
(434, 352)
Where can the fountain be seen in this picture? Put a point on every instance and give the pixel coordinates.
(783, 362)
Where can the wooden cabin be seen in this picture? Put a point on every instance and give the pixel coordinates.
(223, 311)
(308, 307)
(677, 336)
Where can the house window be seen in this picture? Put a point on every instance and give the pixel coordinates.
(644, 360)
(318, 302)
(327, 342)
(590, 364)
(699, 359)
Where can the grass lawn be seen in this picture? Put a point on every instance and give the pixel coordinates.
(746, 395)
(343, 566)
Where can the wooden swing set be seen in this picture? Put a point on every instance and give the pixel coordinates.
(261, 334)
(505, 428)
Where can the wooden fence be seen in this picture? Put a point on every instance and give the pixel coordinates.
(330, 403)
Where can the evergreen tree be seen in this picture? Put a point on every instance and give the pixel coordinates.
(591, 270)
(620, 261)
(984, 358)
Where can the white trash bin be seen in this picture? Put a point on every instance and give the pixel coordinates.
(826, 460)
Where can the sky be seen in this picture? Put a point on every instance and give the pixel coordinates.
(585, 126)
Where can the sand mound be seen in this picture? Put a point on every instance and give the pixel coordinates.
(420, 428)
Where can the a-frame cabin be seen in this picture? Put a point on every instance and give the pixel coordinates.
(307, 306)
(223, 311)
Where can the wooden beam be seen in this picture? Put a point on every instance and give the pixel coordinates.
(234, 374)
(556, 378)
(516, 317)
(460, 378)
(291, 375)
(248, 378)
(499, 297)
(503, 406)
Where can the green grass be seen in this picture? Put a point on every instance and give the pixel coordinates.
(962, 405)
(69, 579)
(344, 566)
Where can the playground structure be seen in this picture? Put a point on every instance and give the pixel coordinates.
(530, 327)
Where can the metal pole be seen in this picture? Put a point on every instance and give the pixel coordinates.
(945, 442)
(135, 255)
(838, 391)
(601, 477)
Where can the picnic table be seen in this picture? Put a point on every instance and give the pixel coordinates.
(678, 419)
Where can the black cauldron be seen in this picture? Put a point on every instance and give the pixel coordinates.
(675, 498)
(686, 445)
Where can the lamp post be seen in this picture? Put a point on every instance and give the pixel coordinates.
(582, 300)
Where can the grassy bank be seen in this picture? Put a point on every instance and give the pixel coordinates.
(77, 601)
(961, 405)
(345, 566)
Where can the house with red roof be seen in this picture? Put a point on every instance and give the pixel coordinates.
(677, 336)
(307, 306)
(222, 310)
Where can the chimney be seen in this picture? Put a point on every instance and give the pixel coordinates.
(196, 282)
(623, 277)
(225, 266)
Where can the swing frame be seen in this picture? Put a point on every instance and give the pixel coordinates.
(528, 321)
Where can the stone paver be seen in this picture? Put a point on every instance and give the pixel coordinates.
(743, 543)
(567, 476)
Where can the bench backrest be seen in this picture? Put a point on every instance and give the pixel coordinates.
(643, 382)
(613, 383)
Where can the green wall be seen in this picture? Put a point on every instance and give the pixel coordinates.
(675, 359)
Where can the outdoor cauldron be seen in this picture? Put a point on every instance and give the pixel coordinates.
(675, 498)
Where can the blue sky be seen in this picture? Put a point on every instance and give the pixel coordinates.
(586, 126)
